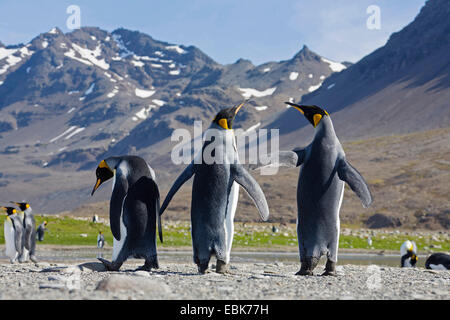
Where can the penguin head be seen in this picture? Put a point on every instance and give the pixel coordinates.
(103, 173)
(412, 253)
(413, 259)
(22, 205)
(314, 114)
(9, 210)
(226, 116)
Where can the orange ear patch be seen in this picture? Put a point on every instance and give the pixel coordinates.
(223, 123)
(317, 117)
(103, 164)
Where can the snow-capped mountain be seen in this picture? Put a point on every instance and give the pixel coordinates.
(68, 100)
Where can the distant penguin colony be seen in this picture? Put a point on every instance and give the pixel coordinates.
(408, 253)
(134, 210)
(215, 193)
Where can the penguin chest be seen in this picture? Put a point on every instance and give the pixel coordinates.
(118, 244)
(10, 247)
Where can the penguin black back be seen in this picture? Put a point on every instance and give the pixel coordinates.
(137, 200)
(438, 261)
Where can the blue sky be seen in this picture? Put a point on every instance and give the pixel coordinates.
(258, 30)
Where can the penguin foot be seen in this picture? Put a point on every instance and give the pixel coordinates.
(34, 259)
(307, 266)
(144, 268)
(202, 267)
(110, 266)
(330, 269)
(303, 272)
(221, 267)
(149, 265)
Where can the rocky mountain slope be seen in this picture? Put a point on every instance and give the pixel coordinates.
(68, 100)
(401, 87)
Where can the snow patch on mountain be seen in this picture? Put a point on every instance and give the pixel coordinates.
(250, 92)
(144, 93)
(11, 58)
(314, 88)
(335, 66)
(177, 49)
(78, 130)
(293, 76)
(261, 108)
(123, 50)
(113, 93)
(90, 89)
(63, 134)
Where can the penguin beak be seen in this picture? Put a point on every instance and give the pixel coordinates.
(99, 182)
(238, 107)
(298, 107)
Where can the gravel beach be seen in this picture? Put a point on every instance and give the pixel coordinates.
(244, 281)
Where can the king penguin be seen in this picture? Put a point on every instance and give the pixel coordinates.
(408, 253)
(320, 191)
(438, 261)
(215, 192)
(29, 232)
(13, 234)
(134, 210)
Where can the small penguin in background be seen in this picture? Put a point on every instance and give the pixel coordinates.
(13, 229)
(95, 218)
(438, 261)
(133, 212)
(41, 231)
(369, 241)
(29, 236)
(408, 253)
(100, 240)
(215, 192)
(325, 170)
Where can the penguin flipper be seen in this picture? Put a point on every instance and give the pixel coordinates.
(243, 178)
(158, 216)
(18, 238)
(346, 172)
(183, 177)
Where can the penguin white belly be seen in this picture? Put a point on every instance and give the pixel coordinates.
(229, 220)
(118, 244)
(338, 224)
(437, 267)
(25, 254)
(10, 245)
